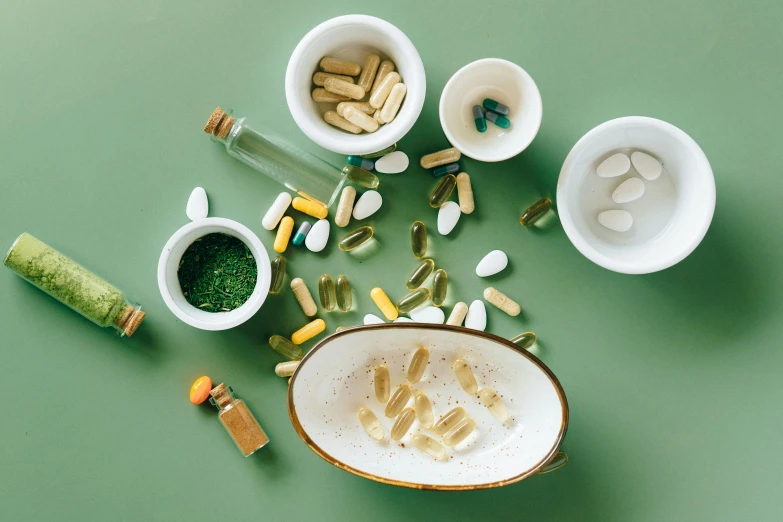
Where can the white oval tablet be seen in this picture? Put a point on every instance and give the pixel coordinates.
(492, 263)
(629, 190)
(402, 319)
(276, 211)
(448, 215)
(373, 319)
(428, 314)
(367, 205)
(613, 166)
(477, 316)
(617, 220)
(393, 163)
(198, 205)
(318, 236)
(649, 167)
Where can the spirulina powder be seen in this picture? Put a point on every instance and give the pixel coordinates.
(217, 273)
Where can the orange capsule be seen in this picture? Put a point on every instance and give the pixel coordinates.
(200, 390)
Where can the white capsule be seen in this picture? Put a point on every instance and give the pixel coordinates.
(613, 166)
(617, 220)
(477, 316)
(649, 167)
(318, 236)
(428, 314)
(367, 205)
(448, 215)
(492, 263)
(276, 211)
(198, 205)
(393, 163)
(629, 190)
(373, 319)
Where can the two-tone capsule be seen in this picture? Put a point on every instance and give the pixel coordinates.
(428, 445)
(278, 274)
(478, 118)
(413, 300)
(420, 274)
(465, 376)
(326, 293)
(440, 285)
(383, 303)
(402, 424)
(419, 239)
(442, 190)
(423, 408)
(496, 107)
(398, 401)
(459, 432)
(308, 331)
(370, 423)
(449, 168)
(356, 238)
(358, 161)
(285, 347)
(494, 404)
(382, 383)
(301, 233)
(418, 364)
(360, 176)
(498, 119)
(344, 295)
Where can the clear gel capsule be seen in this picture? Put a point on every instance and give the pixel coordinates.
(449, 420)
(420, 274)
(465, 376)
(304, 297)
(413, 300)
(459, 432)
(361, 176)
(382, 383)
(380, 153)
(497, 119)
(494, 404)
(383, 302)
(441, 157)
(285, 347)
(308, 331)
(278, 274)
(326, 293)
(344, 295)
(356, 238)
(499, 299)
(419, 361)
(451, 168)
(371, 424)
(478, 118)
(423, 408)
(428, 445)
(343, 215)
(301, 233)
(535, 212)
(440, 285)
(398, 401)
(286, 369)
(358, 161)
(525, 340)
(442, 190)
(496, 106)
(403, 424)
(419, 239)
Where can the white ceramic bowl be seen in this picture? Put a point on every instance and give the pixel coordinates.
(502, 81)
(352, 38)
(168, 282)
(671, 218)
(335, 379)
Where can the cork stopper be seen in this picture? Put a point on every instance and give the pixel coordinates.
(219, 124)
(221, 395)
(130, 318)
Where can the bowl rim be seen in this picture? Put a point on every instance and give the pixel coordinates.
(450, 84)
(360, 143)
(415, 485)
(646, 266)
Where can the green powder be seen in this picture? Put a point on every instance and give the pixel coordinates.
(217, 273)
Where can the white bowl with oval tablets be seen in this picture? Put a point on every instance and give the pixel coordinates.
(334, 380)
(352, 38)
(668, 221)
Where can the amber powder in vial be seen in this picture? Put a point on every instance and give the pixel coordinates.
(238, 420)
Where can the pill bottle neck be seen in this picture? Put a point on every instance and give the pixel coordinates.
(220, 124)
(222, 397)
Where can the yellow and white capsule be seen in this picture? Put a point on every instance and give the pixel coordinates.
(371, 424)
(465, 376)
(403, 423)
(494, 404)
(382, 383)
(398, 401)
(419, 361)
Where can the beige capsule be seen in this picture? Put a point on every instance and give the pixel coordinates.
(377, 117)
(465, 193)
(458, 314)
(320, 77)
(419, 361)
(403, 423)
(371, 424)
(304, 297)
(459, 432)
(286, 369)
(465, 376)
(343, 215)
(449, 420)
(337, 66)
(494, 404)
(393, 102)
(360, 119)
(385, 68)
(342, 88)
(382, 383)
(428, 445)
(335, 120)
(439, 158)
(423, 408)
(502, 301)
(378, 98)
(365, 107)
(398, 400)
(321, 95)
(371, 64)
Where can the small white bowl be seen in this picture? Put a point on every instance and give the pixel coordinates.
(671, 218)
(502, 81)
(352, 38)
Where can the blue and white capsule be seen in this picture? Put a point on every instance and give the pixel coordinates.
(358, 161)
(449, 168)
(498, 119)
(496, 106)
(478, 118)
(301, 234)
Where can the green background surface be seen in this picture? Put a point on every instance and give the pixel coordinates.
(672, 378)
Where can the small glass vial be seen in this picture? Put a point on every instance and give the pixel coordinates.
(238, 421)
(300, 171)
(73, 285)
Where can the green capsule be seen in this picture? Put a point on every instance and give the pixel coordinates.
(356, 238)
(413, 300)
(535, 212)
(358, 161)
(344, 296)
(326, 293)
(278, 274)
(420, 274)
(419, 239)
(285, 347)
(440, 285)
(451, 168)
(443, 190)
(497, 119)
(478, 118)
(380, 153)
(496, 106)
(525, 340)
(362, 177)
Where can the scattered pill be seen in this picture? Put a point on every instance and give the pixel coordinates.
(304, 297)
(198, 205)
(617, 220)
(525, 340)
(379, 94)
(649, 167)
(199, 392)
(442, 157)
(301, 233)
(496, 106)
(419, 361)
(459, 432)
(365, 107)
(343, 88)
(478, 118)
(392, 104)
(358, 161)
(278, 274)
(326, 293)
(385, 68)
(311, 208)
(498, 119)
(398, 401)
(381, 153)
(392, 163)
(344, 295)
(629, 190)
(361, 177)
(368, 204)
(492, 263)
(494, 404)
(402, 424)
(465, 193)
(465, 376)
(477, 316)
(335, 120)
(419, 239)
(283, 234)
(449, 420)
(448, 216)
(535, 212)
(413, 300)
(318, 236)
(440, 285)
(308, 331)
(428, 445)
(420, 274)
(371, 64)
(371, 424)
(285, 347)
(442, 190)
(423, 408)
(382, 383)
(613, 166)
(502, 301)
(286, 369)
(428, 314)
(321, 95)
(336, 66)
(372, 319)
(458, 314)
(320, 77)
(450, 168)
(356, 238)
(383, 303)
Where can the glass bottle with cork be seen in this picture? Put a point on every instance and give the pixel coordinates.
(238, 420)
